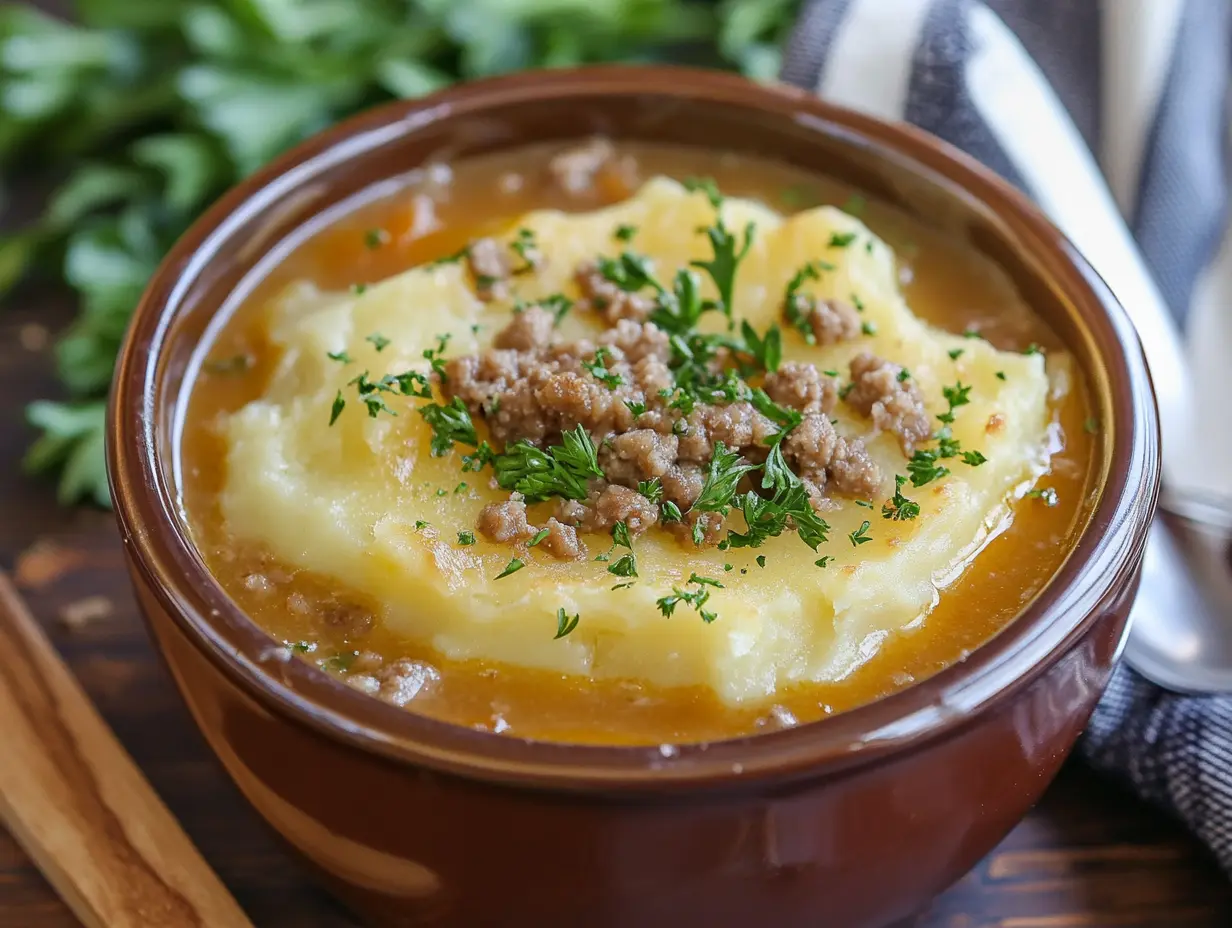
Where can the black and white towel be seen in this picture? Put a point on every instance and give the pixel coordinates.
(1113, 116)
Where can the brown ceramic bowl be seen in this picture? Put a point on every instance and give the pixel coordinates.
(852, 822)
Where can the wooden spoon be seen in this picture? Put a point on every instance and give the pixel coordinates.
(77, 803)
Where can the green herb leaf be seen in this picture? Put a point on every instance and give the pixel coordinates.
(624, 233)
(723, 474)
(539, 536)
(652, 489)
(336, 409)
(512, 567)
(450, 424)
(466, 538)
(565, 623)
(899, 507)
(860, 536)
(563, 470)
(378, 341)
(841, 239)
(1047, 494)
(924, 469)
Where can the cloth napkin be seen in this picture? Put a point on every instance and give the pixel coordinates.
(1113, 116)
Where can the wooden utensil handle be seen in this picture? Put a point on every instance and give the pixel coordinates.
(77, 803)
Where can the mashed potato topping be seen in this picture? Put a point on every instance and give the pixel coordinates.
(364, 500)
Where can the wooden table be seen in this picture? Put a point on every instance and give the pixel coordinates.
(1089, 856)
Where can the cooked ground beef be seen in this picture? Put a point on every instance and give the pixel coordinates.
(802, 386)
(529, 330)
(562, 542)
(532, 385)
(490, 266)
(833, 321)
(894, 404)
(578, 170)
(603, 296)
(608, 505)
(397, 682)
(505, 522)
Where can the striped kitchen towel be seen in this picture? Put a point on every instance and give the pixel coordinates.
(1113, 116)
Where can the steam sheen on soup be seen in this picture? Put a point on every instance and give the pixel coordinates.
(632, 444)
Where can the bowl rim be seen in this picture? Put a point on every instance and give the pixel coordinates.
(163, 556)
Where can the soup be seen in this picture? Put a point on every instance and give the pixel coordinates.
(552, 444)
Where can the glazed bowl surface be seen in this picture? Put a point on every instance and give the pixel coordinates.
(852, 822)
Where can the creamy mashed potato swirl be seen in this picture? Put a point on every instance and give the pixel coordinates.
(365, 502)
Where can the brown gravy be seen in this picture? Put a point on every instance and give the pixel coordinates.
(944, 282)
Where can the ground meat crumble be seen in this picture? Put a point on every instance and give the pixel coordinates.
(532, 385)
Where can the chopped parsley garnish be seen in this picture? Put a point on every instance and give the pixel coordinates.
(957, 395)
(454, 258)
(512, 567)
(899, 507)
(557, 304)
(1047, 494)
(973, 458)
(797, 308)
(624, 233)
(1001, 375)
(636, 409)
(727, 252)
(358, 289)
(450, 424)
(525, 247)
(620, 536)
(761, 560)
(375, 238)
(788, 418)
(539, 536)
(599, 371)
(823, 560)
(971, 333)
(565, 623)
(476, 461)
(696, 598)
(864, 503)
(704, 581)
(420, 525)
(1033, 349)
(630, 272)
(336, 409)
(670, 513)
(436, 356)
(561, 470)
(652, 489)
(722, 476)
(924, 469)
(841, 239)
(860, 535)
(956, 353)
(904, 375)
(379, 341)
(767, 351)
(727, 568)
(461, 487)
(625, 567)
(857, 303)
(846, 389)
(340, 356)
(868, 328)
(466, 538)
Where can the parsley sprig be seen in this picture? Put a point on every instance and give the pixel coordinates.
(562, 470)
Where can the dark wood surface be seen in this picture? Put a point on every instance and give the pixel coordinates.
(1089, 856)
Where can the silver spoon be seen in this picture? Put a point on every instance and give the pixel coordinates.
(1181, 623)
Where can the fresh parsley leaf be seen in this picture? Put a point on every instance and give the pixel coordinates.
(450, 424)
(761, 560)
(823, 560)
(335, 410)
(1033, 349)
(636, 409)
(727, 251)
(670, 513)
(899, 507)
(625, 567)
(1001, 375)
(620, 536)
(652, 489)
(860, 536)
(599, 371)
(340, 356)
(971, 333)
(723, 474)
(378, 341)
(526, 248)
(924, 469)
(565, 623)
(704, 581)
(375, 238)
(956, 353)
(512, 567)
(904, 375)
(868, 327)
(766, 351)
(466, 538)
(538, 537)
(624, 233)
(973, 458)
(562, 470)
(841, 239)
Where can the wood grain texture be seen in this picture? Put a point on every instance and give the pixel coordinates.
(1090, 856)
(79, 806)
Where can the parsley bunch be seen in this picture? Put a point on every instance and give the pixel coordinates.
(147, 111)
